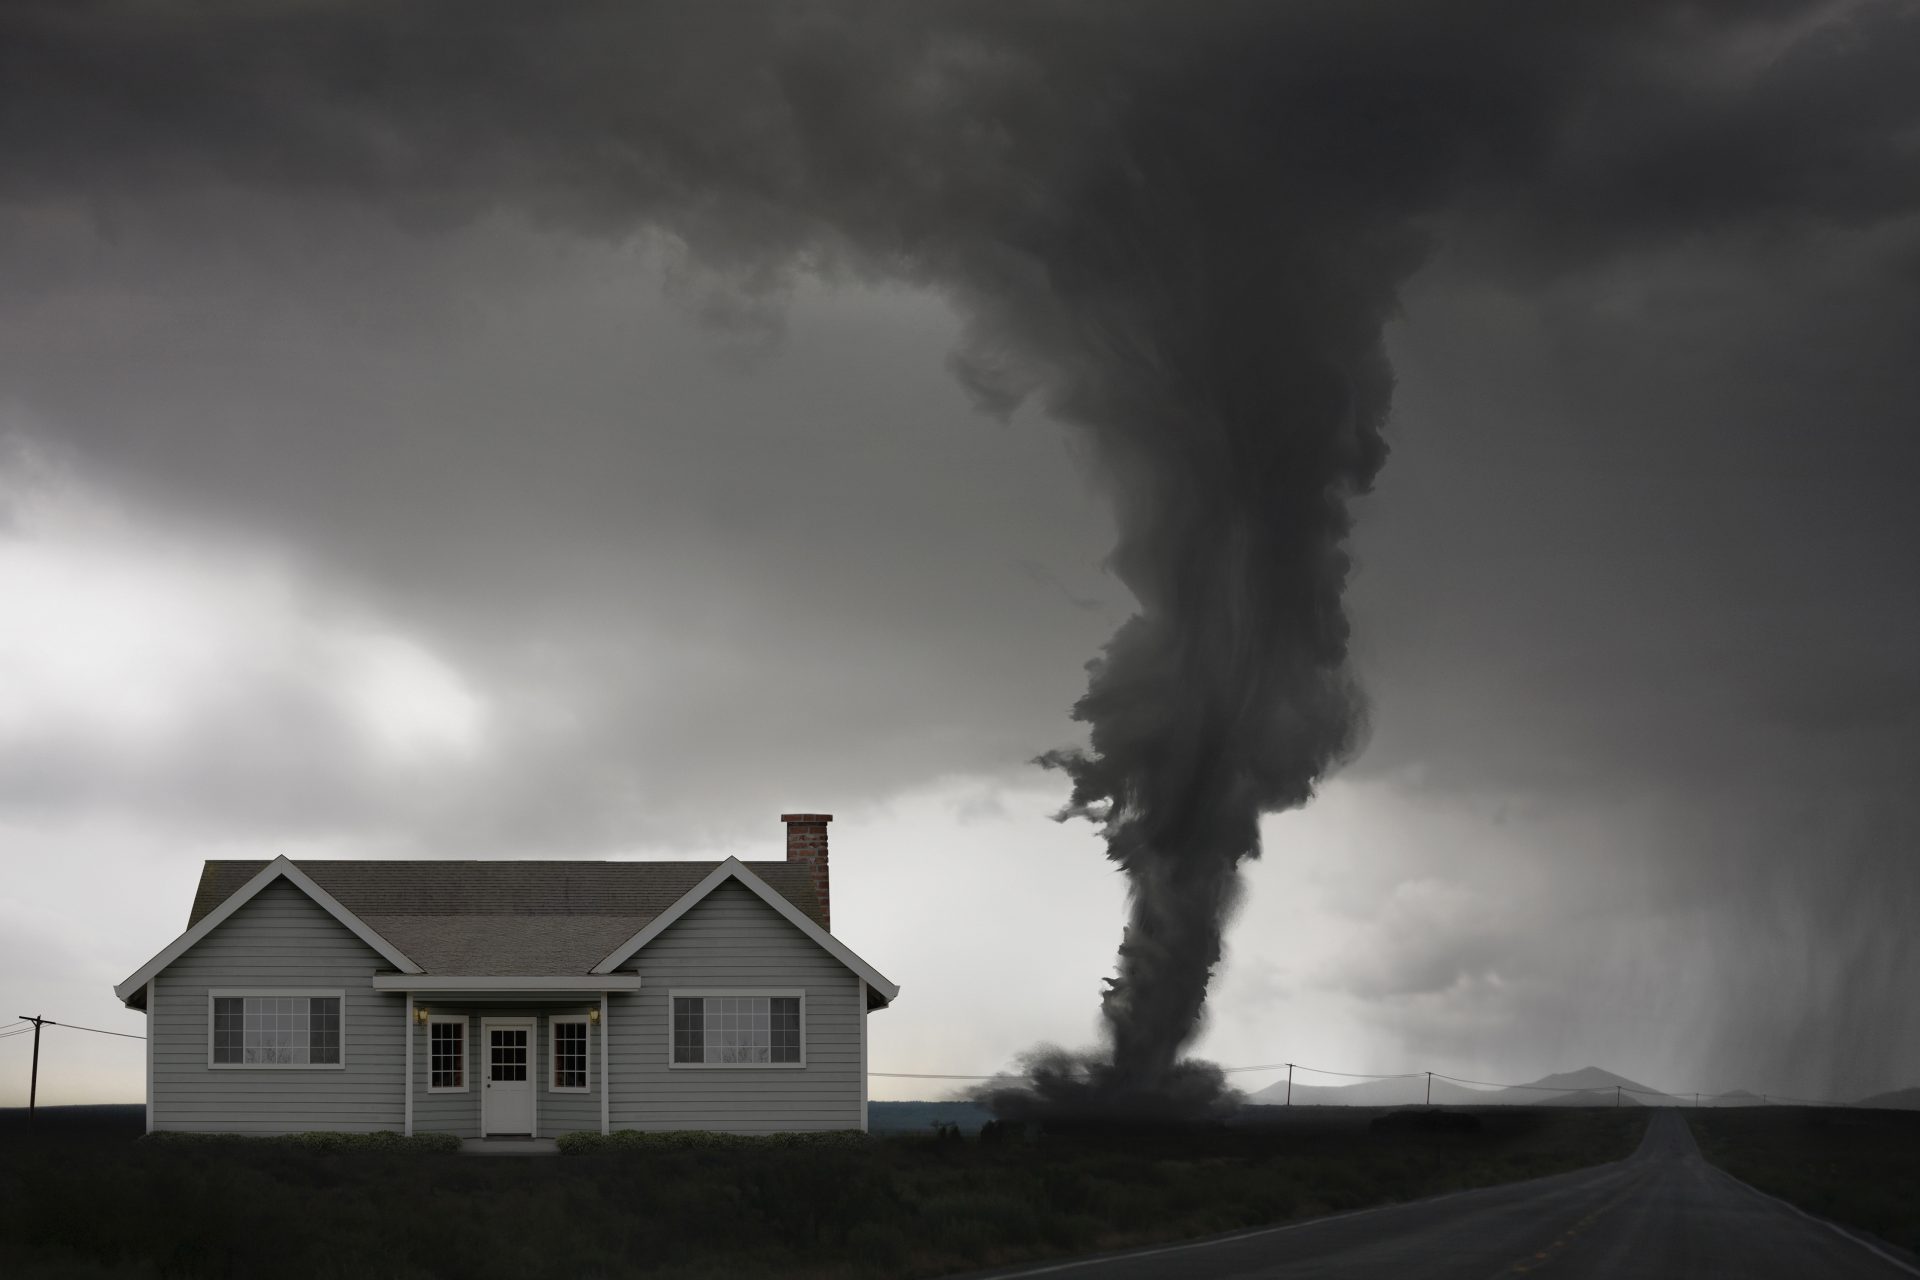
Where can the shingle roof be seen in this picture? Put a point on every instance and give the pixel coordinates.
(506, 917)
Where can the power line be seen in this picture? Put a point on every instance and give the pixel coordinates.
(21, 1031)
(1403, 1075)
(1322, 1071)
(125, 1035)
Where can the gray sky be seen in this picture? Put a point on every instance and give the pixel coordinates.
(392, 464)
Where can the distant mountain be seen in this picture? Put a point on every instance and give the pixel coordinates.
(1587, 1087)
(1590, 1080)
(1402, 1092)
(1899, 1099)
(920, 1117)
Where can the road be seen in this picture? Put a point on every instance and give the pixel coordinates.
(1663, 1213)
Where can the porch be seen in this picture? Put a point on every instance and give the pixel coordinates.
(507, 1064)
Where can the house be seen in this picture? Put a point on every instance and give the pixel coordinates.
(483, 998)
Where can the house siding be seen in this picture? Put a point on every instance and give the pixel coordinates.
(732, 939)
(279, 939)
(459, 1113)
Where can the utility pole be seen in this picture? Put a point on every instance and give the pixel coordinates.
(1289, 1084)
(1696, 1101)
(1429, 1088)
(1616, 1097)
(33, 1085)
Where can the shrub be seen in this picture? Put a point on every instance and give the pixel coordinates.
(580, 1144)
(317, 1140)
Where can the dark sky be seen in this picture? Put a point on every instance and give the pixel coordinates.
(432, 433)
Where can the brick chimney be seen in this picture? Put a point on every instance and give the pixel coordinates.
(807, 842)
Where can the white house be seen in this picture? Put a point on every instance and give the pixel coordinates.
(493, 998)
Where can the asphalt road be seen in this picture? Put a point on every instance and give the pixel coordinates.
(1663, 1213)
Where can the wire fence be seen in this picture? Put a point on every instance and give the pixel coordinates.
(1701, 1097)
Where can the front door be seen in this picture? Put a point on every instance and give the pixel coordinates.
(507, 1092)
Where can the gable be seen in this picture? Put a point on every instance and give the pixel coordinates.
(734, 874)
(730, 916)
(279, 929)
(276, 874)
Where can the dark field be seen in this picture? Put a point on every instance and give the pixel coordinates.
(1858, 1167)
(82, 1197)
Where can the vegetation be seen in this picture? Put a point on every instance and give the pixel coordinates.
(87, 1199)
(382, 1140)
(1857, 1167)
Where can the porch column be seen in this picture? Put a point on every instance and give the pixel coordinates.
(606, 1085)
(409, 1066)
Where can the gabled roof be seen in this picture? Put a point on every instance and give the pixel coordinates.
(735, 870)
(266, 874)
(510, 917)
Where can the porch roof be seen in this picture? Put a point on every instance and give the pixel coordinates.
(505, 986)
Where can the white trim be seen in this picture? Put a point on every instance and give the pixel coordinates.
(408, 1130)
(863, 1056)
(466, 1069)
(274, 870)
(243, 993)
(153, 1034)
(486, 1063)
(558, 984)
(606, 1094)
(696, 993)
(552, 1052)
(734, 869)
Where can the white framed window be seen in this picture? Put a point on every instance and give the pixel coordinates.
(737, 1028)
(567, 1039)
(256, 1029)
(446, 1053)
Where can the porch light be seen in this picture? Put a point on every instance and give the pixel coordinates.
(420, 1014)
(593, 1016)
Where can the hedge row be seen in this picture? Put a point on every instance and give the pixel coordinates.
(582, 1144)
(382, 1140)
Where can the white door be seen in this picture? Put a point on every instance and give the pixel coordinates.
(507, 1092)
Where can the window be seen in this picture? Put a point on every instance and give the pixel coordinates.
(567, 1067)
(737, 1029)
(275, 1029)
(446, 1055)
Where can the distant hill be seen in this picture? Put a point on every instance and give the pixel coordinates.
(920, 1117)
(1587, 1087)
(1898, 1100)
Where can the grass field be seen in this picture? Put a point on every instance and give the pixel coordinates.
(82, 1197)
(1861, 1168)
